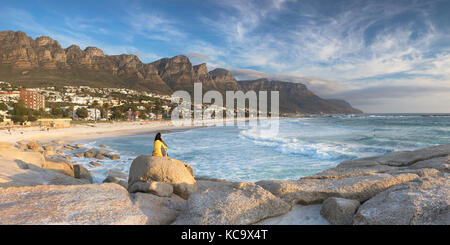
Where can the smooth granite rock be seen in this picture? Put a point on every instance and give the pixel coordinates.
(163, 169)
(219, 203)
(339, 211)
(159, 210)
(94, 204)
(157, 188)
(313, 191)
(424, 201)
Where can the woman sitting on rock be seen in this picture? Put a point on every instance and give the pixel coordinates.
(159, 147)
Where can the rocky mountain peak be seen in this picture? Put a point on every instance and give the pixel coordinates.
(47, 63)
(180, 59)
(93, 51)
(73, 47)
(6, 34)
(224, 80)
(45, 41)
(11, 38)
(220, 73)
(201, 69)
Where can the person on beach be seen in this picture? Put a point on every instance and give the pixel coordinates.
(159, 147)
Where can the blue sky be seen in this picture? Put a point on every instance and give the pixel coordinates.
(381, 56)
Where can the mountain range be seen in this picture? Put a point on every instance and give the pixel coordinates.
(43, 62)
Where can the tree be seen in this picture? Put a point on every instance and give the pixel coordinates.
(57, 112)
(3, 107)
(117, 114)
(142, 116)
(19, 109)
(95, 105)
(32, 118)
(67, 112)
(82, 113)
(18, 118)
(41, 112)
(157, 109)
(104, 110)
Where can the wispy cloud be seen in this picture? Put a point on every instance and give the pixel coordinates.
(360, 46)
(151, 24)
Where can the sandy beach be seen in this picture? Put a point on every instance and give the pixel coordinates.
(77, 132)
(86, 131)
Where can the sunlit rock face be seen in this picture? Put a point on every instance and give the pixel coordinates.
(42, 61)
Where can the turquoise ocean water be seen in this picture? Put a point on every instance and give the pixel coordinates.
(303, 146)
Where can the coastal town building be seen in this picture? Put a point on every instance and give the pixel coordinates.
(80, 100)
(94, 114)
(10, 96)
(54, 122)
(69, 98)
(32, 99)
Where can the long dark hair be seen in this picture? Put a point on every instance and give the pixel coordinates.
(158, 137)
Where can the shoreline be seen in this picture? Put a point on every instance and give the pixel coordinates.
(81, 132)
(87, 132)
(370, 190)
(359, 191)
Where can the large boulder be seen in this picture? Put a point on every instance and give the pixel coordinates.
(308, 191)
(439, 163)
(90, 154)
(424, 201)
(34, 146)
(113, 179)
(31, 168)
(437, 157)
(59, 165)
(407, 158)
(22, 147)
(113, 156)
(339, 211)
(159, 210)
(95, 204)
(157, 188)
(48, 148)
(79, 154)
(16, 173)
(220, 203)
(354, 168)
(81, 172)
(100, 156)
(8, 152)
(363, 178)
(163, 169)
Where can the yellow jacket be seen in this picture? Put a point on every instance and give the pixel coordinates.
(159, 149)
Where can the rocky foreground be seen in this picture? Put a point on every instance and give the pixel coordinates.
(406, 188)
